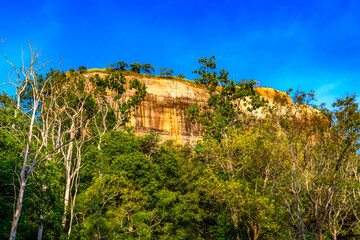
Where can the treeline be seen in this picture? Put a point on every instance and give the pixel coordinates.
(137, 68)
(146, 68)
(262, 171)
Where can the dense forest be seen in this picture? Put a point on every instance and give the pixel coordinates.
(72, 169)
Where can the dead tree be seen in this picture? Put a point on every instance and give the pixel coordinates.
(33, 129)
(82, 115)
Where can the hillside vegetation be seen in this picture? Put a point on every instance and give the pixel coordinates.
(71, 169)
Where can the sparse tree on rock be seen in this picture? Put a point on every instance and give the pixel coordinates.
(121, 65)
(165, 72)
(182, 76)
(147, 68)
(135, 67)
(82, 69)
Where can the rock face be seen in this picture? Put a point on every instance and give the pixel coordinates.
(162, 111)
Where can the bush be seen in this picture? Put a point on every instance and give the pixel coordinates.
(164, 72)
(82, 69)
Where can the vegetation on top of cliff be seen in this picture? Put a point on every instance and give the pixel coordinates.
(165, 73)
(128, 72)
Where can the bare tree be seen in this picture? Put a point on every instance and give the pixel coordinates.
(322, 157)
(73, 125)
(84, 114)
(33, 136)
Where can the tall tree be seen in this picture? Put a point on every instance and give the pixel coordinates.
(228, 103)
(238, 175)
(228, 108)
(31, 124)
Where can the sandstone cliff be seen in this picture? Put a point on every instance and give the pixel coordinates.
(162, 112)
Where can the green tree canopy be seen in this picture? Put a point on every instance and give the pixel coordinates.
(165, 72)
(82, 69)
(224, 107)
(121, 65)
(135, 67)
(147, 68)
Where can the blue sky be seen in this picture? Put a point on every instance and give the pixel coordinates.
(309, 45)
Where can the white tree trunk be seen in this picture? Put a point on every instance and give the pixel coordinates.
(18, 210)
(41, 227)
(68, 178)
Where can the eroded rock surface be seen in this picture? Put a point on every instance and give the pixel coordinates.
(163, 110)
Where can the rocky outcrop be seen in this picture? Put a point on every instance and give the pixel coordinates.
(273, 95)
(163, 110)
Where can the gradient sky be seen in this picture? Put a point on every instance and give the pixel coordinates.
(306, 45)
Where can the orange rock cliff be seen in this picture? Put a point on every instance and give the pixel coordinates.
(163, 110)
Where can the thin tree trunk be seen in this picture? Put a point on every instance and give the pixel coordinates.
(68, 178)
(248, 232)
(41, 227)
(42, 214)
(23, 176)
(334, 235)
(256, 232)
(37, 90)
(72, 215)
(18, 210)
(76, 178)
(66, 199)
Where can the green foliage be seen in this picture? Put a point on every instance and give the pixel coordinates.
(123, 191)
(9, 149)
(147, 68)
(141, 189)
(224, 107)
(82, 69)
(165, 72)
(37, 201)
(135, 67)
(292, 174)
(97, 70)
(115, 82)
(236, 175)
(121, 65)
(182, 76)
